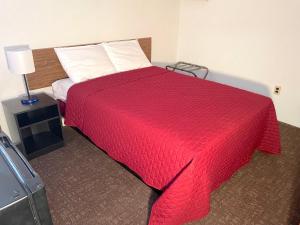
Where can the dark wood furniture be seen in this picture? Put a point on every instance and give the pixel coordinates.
(188, 68)
(35, 129)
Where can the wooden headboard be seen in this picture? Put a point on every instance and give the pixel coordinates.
(48, 68)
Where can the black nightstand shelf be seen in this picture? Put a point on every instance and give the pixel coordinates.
(36, 129)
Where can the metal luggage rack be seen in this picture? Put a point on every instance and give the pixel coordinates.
(188, 68)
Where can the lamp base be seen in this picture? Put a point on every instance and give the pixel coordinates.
(30, 101)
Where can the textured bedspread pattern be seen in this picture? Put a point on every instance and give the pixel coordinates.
(182, 135)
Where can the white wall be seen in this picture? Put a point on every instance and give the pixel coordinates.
(252, 44)
(50, 23)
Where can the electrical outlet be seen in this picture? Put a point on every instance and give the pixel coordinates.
(277, 90)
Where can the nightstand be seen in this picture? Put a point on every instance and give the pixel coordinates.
(35, 129)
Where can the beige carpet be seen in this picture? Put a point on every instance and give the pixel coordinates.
(85, 187)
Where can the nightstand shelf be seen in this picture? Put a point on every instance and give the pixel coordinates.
(36, 128)
(39, 122)
(44, 141)
(35, 116)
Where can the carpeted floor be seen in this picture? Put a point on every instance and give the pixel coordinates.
(85, 187)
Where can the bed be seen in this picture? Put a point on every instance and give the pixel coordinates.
(182, 135)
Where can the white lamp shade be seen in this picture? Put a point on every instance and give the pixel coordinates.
(19, 59)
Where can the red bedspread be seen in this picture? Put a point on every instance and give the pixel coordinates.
(182, 135)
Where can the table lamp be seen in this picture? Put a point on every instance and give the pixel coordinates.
(20, 61)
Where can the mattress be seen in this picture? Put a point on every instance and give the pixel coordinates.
(60, 88)
(182, 135)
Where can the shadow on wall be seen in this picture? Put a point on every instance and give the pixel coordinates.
(235, 81)
(230, 80)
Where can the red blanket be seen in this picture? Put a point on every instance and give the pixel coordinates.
(182, 135)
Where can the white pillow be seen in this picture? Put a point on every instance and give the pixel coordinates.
(126, 55)
(82, 63)
(60, 88)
